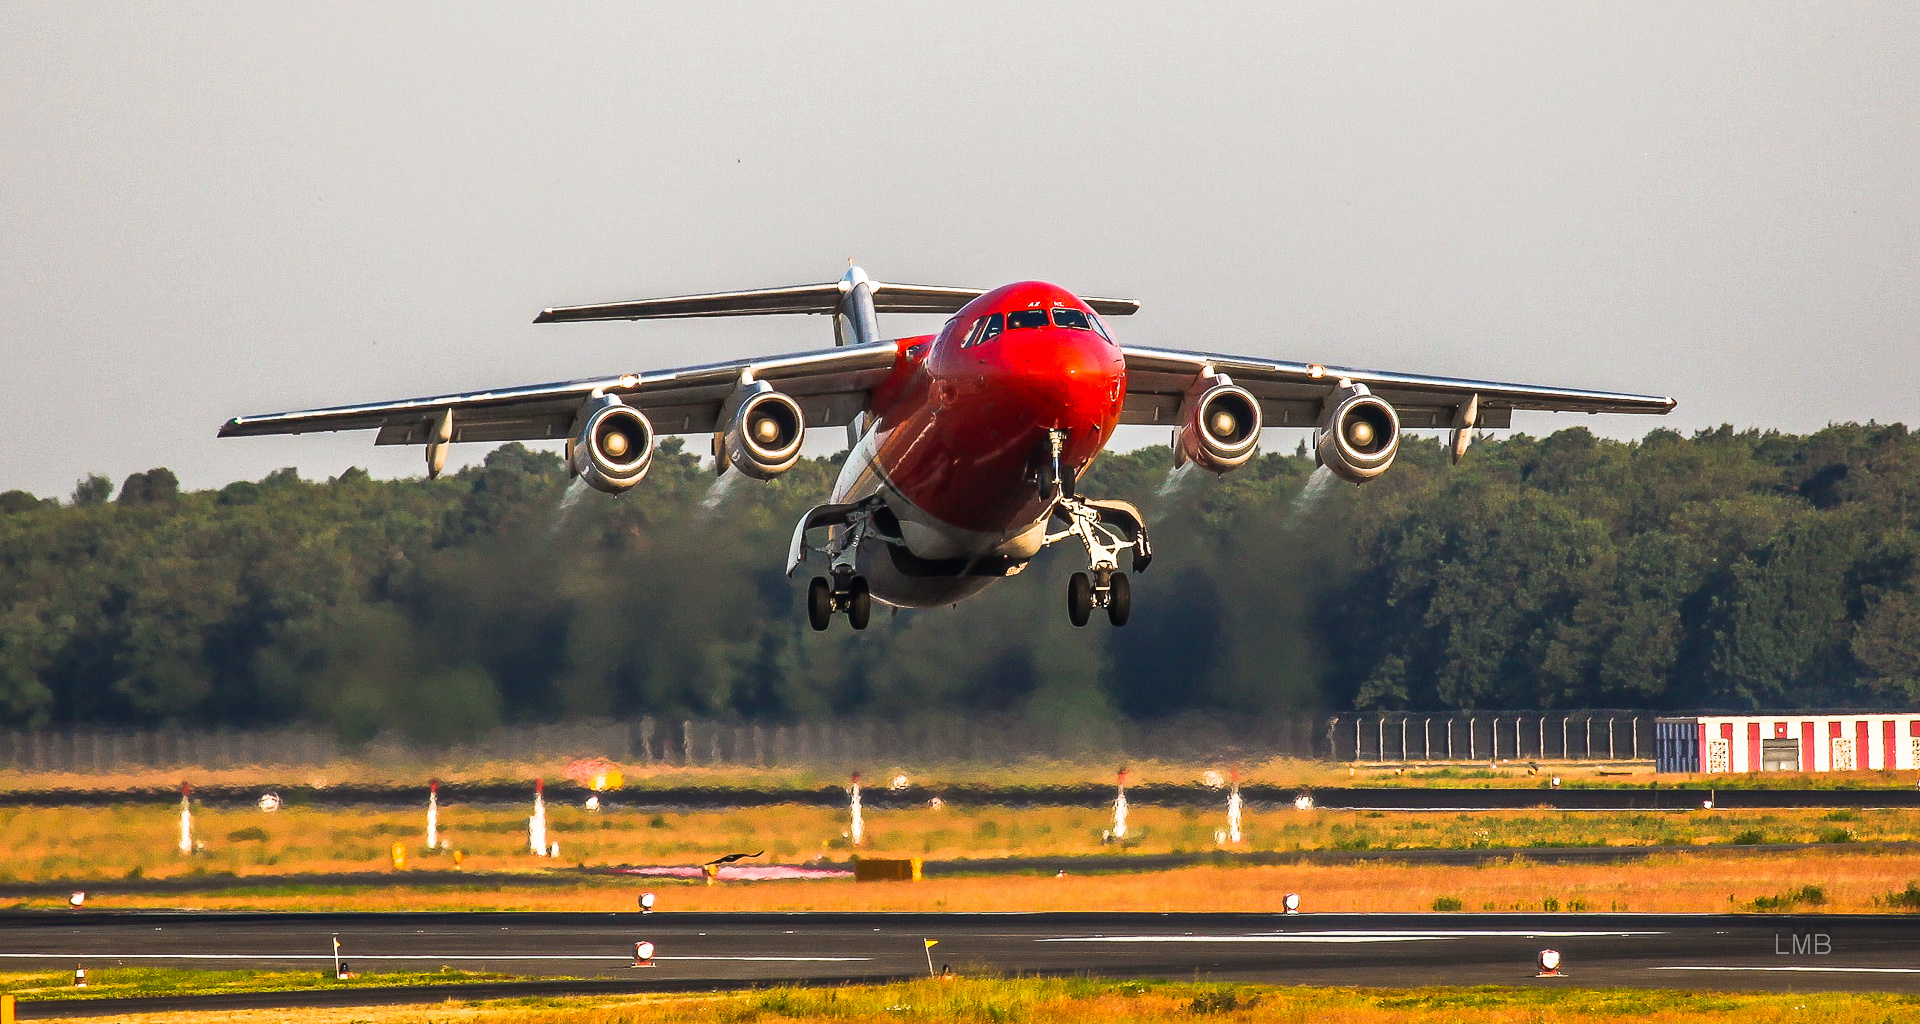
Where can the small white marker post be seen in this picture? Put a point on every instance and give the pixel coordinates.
(1120, 809)
(433, 814)
(858, 830)
(186, 820)
(79, 976)
(537, 825)
(1233, 809)
(336, 958)
(930, 944)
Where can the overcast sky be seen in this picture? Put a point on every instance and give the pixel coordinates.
(213, 209)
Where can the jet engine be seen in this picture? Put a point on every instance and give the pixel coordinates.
(764, 429)
(613, 446)
(1221, 429)
(1359, 436)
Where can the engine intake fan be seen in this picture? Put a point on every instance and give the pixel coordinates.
(1220, 428)
(764, 431)
(1359, 436)
(613, 446)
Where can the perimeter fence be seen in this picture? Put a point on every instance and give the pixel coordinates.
(841, 745)
(649, 740)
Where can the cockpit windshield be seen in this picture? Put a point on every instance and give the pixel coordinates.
(1021, 318)
(1071, 318)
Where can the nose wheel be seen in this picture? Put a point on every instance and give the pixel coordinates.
(848, 594)
(1107, 589)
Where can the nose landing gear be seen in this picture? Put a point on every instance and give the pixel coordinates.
(1106, 588)
(1105, 528)
(844, 593)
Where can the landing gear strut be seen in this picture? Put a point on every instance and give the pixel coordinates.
(844, 593)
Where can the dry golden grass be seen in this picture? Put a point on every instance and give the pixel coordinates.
(1730, 882)
(128, 840)
(1072, 1001)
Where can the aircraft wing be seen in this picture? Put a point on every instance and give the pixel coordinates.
(831, 386)
(1292, 394)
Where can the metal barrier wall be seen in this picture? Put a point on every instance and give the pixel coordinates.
(1492, 736)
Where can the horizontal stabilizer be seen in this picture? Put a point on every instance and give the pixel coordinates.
(806, 298)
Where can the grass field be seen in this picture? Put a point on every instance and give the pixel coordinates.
(1071, 1001)
(139, 840)
(1818, 880)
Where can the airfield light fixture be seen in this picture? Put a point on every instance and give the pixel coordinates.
(1292, 903)
(646, 903)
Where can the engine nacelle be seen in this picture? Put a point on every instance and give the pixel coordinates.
(1359, 436)
(612, 447)
(764, 429)
(1221, 427)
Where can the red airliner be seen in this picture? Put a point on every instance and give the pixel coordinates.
(967, 444)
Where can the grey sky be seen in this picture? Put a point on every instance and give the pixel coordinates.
(233, 208)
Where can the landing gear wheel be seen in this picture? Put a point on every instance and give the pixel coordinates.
(1079, 599)
(819, 604)
(1119, 599)
(859, 603)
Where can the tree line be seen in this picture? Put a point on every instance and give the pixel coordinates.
(1729, 569)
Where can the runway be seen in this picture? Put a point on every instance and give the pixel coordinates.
(1798, 952)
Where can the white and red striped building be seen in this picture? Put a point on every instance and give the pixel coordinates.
(1715, 744)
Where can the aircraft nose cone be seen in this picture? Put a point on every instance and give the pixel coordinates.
(1076, 375)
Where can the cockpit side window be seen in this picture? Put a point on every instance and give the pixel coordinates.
(984, 330)
(1023, 318)
(1102, 328)
(1070, 318)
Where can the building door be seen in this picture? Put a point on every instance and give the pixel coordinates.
(1779, 755)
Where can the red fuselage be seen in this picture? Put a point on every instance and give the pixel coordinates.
(959, 434)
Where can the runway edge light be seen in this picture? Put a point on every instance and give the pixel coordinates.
(643, 954)
(646, 903)
(1292, 903)
(1549, 964)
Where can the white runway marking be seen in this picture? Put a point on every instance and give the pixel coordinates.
(623, 958)
(1804, 970)
(1350, 936)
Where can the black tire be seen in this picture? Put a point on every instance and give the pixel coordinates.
(859, 603)
(819, 604)
(1079, 599)
(1119, 599)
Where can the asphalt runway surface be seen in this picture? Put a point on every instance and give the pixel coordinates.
(700, 951)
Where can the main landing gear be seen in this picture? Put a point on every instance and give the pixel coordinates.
(844, 593)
